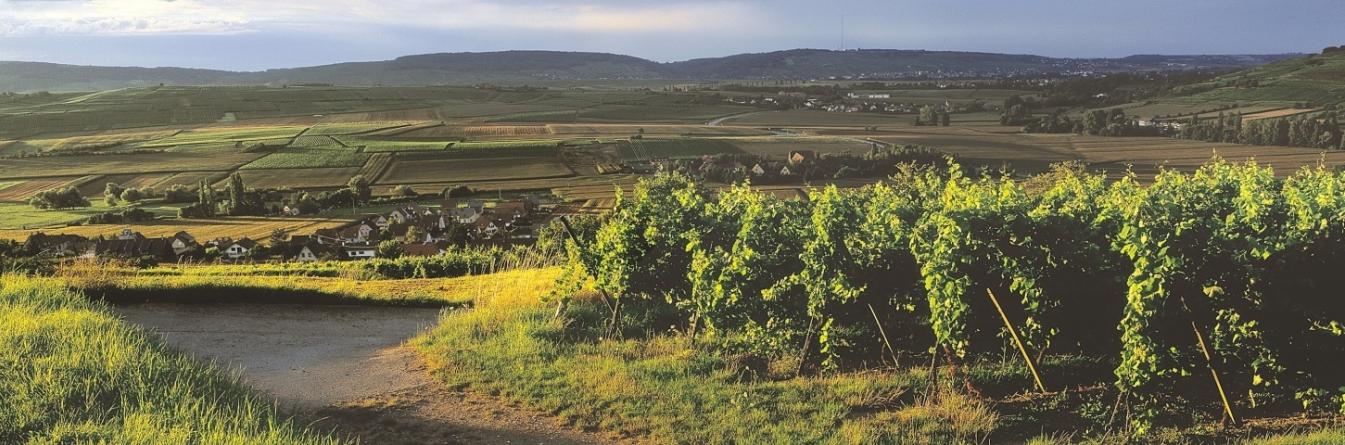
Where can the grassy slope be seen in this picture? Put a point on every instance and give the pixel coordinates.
(510, 345)
(1317, 78)
(70, 372)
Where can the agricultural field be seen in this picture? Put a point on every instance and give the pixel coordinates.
(227, 134)
(258, 228)
(806, 118)
(648, 149)
(49, 166)
(20, 190)
(297, 178)
(93, 187)
(306, 158)
(432, 169)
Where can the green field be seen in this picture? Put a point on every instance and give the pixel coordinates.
(298, 158)
(645, 149)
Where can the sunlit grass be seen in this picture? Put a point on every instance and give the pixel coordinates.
(70, 372)
(656, 388)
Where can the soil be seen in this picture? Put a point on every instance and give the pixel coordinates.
(347, 369)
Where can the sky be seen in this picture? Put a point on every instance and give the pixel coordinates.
(260, 34)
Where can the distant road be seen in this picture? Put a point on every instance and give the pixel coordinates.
(720, 121)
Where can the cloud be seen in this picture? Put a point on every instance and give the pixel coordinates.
(149, 17)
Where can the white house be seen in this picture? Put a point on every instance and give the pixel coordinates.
(240, 248)
(360, 251)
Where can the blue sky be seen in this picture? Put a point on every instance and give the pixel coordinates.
(259, 34)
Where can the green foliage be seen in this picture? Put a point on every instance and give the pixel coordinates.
(1251, 259)
(60, 198)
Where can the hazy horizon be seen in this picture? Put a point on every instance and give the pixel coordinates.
(252, 35)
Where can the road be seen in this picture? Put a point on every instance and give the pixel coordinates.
(347, 368)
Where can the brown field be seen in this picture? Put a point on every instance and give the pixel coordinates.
(49, 166)
(625, 130)
(103, 139)
(23, 190)
(1277, 113)
(487, 131)
(189, 179)
(806, 118)
(258, 228)
(94, 187)
(428, 132)
(298, 178)
(376, 166)
(416, 171)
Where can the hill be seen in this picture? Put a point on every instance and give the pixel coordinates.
(1316, 78)
(519, 67)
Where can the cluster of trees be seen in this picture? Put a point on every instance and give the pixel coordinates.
(114, 194)
(933, 116)
(121, 217)
(1316, 131)
(60, 198)
(1113, 122)
(880, 160)
(1229, 263)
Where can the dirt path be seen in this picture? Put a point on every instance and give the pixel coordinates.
(345, 368)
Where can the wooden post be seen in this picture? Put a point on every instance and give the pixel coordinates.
(1031, 366)
(886, 342)
(1209, 363)
(565, 224)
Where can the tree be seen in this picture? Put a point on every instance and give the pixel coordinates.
(62, 198)
(236, 193)
(178, 194)
(359, 188)
(456, 191)
(307, 204)
(946, 118)
(404, 191)
(929, 114)
(112, 193)
(132, 195)
(390, 249)
(414, 235)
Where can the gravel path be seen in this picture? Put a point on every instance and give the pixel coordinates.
(346, 368)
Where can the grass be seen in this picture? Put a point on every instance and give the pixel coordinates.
(676, 148)
(72, 372)
(18, 216)
(379, 146)
(227, 134)
(509, 345)
(263, 284)
(1332, 436)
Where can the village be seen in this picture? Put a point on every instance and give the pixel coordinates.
(408, 230)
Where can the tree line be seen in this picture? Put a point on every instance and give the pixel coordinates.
(1311, 130)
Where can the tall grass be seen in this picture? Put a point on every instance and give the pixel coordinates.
(662, 389)
(70, 372)
(237, 284)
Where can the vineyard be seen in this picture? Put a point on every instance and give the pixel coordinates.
(1213, 293)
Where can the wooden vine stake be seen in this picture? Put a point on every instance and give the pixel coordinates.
(895, 361)
(1031, 365)
(1209, 363)
(606, 299)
